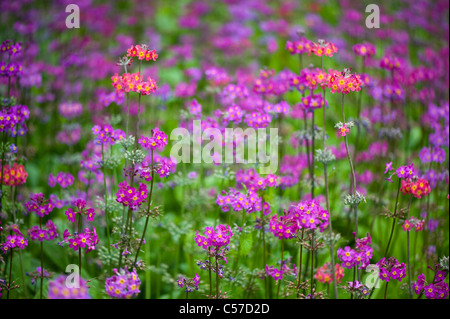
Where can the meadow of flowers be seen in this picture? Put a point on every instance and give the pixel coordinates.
(94, 204)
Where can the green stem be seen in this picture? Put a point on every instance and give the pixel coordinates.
(217, 275)
(312, 156)
(108, 234)
(79, 248)
(312, 265)
(149, 199)
(395, 219)
(10, 274)
(210, 276)
(385, 289)
(282, 251)
(264, 253)
(353, 186)
(42, 260)
(299, 273)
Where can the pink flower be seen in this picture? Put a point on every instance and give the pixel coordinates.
(343, 131)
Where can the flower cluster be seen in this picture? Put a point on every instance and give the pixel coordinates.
(195, 108)
(15, 240)
(280, 108)
(282, 227)
(58, 289)
(438, 289)
(312, 102)
(264, 84)
(164, 167)
(232, 91)
(190, 284)
(239, 201)
(63, 179)
(217, 238)
(131, 197)
(391, 269)
(13, 119)
(420, 187)
(413, 222)
(360, 256)
(233, 114)
(11, 48)
(39, 205)
(300, 46)
(204, 264)
(142, 52)
(360, 290)
(324, 274)
(124, 284)
(343, 128)
(158, 140)
(391, 63)
(81, 210)
(323, 48)
(70, 134)
(434, 154)
(364, 49)
(10, 69)
(49, 232)
(70, 110)
(132, 82)
(253, 181)
(405, 172)
(258, 119)
(277, 274)
(14, 175)
(38, 273)
(217, 76)
(87, 240)
(107, 135)
(309, 214)
(344, 82)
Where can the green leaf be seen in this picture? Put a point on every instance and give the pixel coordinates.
(246, 243)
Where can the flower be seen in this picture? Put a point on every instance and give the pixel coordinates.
(124, 284)
(217, 238)
(391, 269)
(344, 82)
(59, 289)
(88, 239)
(49, 232)
(158, 140)
(364, 49)
(325, 275)
(190, 284)
(13, 175)
(39, 205)
(438, 289)
(81, 210)
(343, 131)
(277, 274)
(129, 196)
(360, 256)
(420, 187)
(388, 167)
(300, 46)
(323, 48)
(107, 135)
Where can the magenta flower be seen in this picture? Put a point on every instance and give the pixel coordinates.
(57, 289)
(123, 284)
